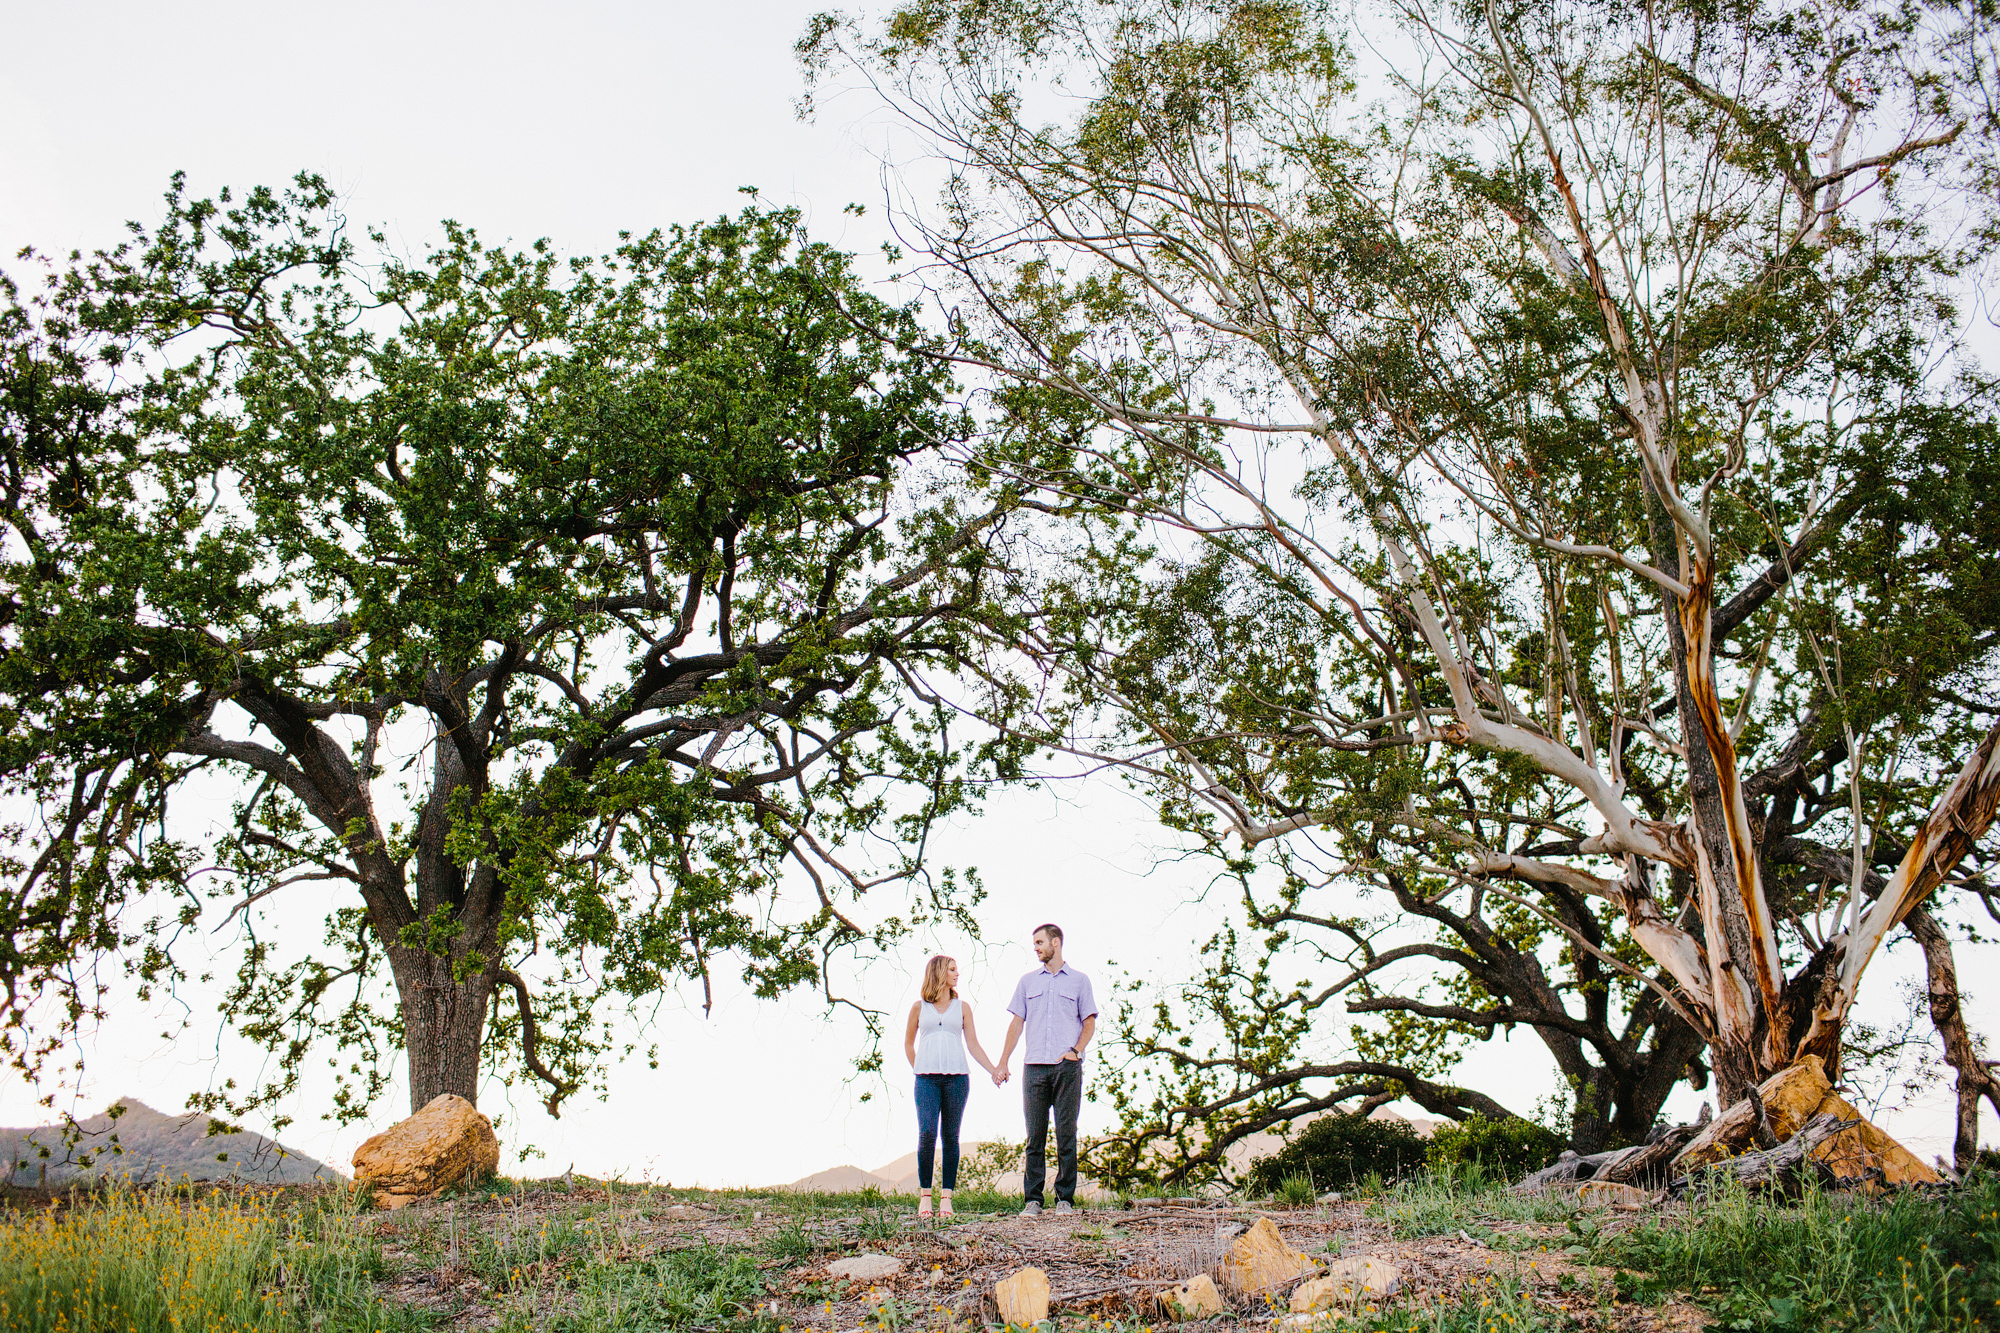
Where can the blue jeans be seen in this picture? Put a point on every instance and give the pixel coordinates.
(940, 1100)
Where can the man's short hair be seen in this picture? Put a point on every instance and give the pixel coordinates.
(1049, 928)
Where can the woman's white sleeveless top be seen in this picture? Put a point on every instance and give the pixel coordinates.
(941, 1038)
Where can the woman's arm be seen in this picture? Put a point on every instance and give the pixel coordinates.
(910, 1035)
(972, 1040)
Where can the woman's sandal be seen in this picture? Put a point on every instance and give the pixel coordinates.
(944, 1208)
(924, 1209)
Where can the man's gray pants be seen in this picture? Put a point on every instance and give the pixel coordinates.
(1059, 1088)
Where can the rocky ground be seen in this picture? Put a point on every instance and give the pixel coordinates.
(579, 1254)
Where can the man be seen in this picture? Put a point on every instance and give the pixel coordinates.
(1056, 1007)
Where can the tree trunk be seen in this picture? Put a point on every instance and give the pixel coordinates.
(444, 989)
(1778, 1167)
(443, 1024)
(1616, 1108)
(1975, 1080)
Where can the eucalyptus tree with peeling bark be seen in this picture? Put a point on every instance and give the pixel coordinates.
(1567, 413)
(552, 630)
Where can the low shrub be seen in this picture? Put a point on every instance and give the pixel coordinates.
(1511, 1148)
(1335, 1151)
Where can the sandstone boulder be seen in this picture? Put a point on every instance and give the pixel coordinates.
(1023, 1298)
(1260, 1260)
(1604, 1193)
(865, 1267)
(1196, 1298)
(1791, 1097)
(446, 1142)
(1346, 1279)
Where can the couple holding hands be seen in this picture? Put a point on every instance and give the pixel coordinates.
(1057, 1011)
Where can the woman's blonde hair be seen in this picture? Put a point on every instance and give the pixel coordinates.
(937, 979)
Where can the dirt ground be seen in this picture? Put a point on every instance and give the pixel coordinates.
(1104, 1264)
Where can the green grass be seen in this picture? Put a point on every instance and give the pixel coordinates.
(702, 1287)
(1834, 1262)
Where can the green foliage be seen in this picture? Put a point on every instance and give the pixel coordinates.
(1295, 1191)
(1509, 1148)
(1335, 1151)
(646, 560)
(1907, 1262)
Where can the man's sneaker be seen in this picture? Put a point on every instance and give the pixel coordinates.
(1032, 1208)
(1063, 1206)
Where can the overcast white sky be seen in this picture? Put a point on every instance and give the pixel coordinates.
(574, 122)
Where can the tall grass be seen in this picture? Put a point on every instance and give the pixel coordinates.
(163, 1260)
(143, 1262)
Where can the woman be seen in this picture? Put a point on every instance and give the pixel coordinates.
(939, 1034)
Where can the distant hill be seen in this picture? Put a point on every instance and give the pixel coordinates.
(152, 1146)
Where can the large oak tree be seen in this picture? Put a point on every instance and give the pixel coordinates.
(555, 630)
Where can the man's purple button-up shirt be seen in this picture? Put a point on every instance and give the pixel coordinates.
(1051, 1007)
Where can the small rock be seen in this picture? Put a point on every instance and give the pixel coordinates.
(1316, 1294)
(446, 1142)
(865, 1267)
(1195, 1298)
(1600, 1193)
(1345, 1279)
(1333, 1196)
(1260, 1260)
(1023, 1298)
